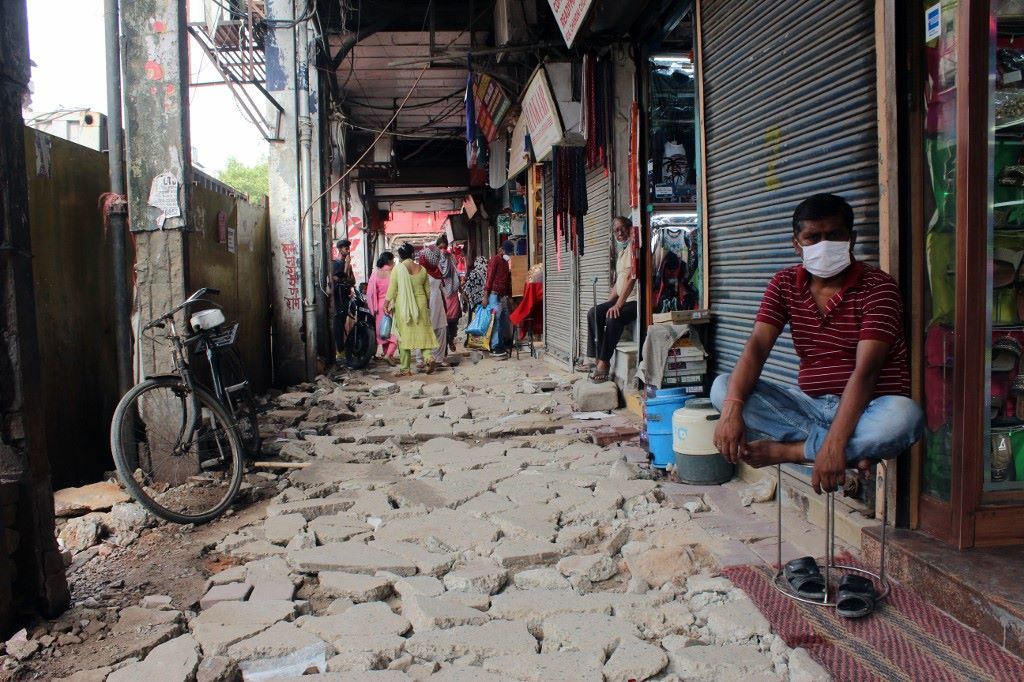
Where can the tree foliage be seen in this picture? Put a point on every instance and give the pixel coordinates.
(253, 180)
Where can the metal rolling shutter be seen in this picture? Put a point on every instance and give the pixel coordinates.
(596, 260)
(789, 111)
(559, 292)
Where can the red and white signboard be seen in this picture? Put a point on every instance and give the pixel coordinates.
(541, 115)
(570, 15)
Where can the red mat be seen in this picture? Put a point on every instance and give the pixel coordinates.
(904, 639)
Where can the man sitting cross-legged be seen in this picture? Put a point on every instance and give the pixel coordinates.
(846, 318)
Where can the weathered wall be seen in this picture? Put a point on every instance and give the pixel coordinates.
(35, 579)
(74, 295)
(241, 274)
(155, 68)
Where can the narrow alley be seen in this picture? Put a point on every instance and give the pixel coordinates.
(460, 527)
(472, 340)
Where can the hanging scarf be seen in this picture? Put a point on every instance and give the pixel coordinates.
(405, 298)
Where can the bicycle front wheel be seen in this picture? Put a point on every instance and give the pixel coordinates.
(176, 451)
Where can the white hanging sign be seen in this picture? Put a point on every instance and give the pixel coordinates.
(518, 156)
(570, 15)
(541, 115)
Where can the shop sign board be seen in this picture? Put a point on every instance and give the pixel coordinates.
(933, 22)
(541, 115)
(570, 15)
(518, 154)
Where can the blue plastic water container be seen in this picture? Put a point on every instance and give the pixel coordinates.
(658, 411)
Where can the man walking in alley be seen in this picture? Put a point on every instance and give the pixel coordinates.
(606, 321)
(846, 318)
(499, 283)
(344, 279)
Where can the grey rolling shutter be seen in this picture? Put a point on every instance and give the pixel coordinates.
(789, 111)
(596, 259)
(558, 286)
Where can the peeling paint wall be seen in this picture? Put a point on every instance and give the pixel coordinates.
(154, 58)
(285, 242)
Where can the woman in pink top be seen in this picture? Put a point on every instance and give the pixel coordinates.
(376, 290)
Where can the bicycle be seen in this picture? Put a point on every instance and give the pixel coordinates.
(178, 443)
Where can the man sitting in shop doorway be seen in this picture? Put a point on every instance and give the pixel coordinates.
(846, 318)
(606, 321)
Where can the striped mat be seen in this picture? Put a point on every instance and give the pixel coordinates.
(904, 639)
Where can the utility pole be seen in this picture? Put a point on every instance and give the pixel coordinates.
(118, 209)
(155, 72)
(305, 123)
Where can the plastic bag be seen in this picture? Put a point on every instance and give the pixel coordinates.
(481, 323)
(385, 327)
(481, 341)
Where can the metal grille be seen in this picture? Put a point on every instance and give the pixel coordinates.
(559, 289)
(790, 111)
(596, 260)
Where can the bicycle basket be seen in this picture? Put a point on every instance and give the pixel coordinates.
(220, 337)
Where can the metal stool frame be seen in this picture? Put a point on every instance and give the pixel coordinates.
(829, 559)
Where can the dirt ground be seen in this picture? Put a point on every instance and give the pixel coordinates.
(169, 559)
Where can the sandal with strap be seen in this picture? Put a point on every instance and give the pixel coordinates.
(856, 597)
(804, 577)
(597, 377)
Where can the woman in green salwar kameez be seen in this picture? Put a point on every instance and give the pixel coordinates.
(407, 297)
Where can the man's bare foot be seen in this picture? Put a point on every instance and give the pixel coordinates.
(762, 453)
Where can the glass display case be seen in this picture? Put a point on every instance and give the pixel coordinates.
(672, 167)
(1003, 465)
(970, 223)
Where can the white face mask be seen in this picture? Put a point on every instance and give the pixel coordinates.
(506, 257)
(826, 259)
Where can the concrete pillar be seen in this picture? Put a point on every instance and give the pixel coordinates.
(285, 204)
(35, 578)
(155, 85)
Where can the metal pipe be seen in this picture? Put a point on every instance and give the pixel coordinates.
(115, 158)
(306, 201)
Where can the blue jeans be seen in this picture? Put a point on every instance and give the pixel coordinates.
(889, 425)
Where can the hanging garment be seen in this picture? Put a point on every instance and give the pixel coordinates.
(498, 166)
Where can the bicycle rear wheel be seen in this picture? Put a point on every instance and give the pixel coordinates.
(176, 452)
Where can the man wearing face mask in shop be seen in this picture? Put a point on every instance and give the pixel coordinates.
(846, 317)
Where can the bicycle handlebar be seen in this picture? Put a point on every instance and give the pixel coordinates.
(158, 322)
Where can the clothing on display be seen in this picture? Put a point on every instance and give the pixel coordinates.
(569, 194)
(675, 266)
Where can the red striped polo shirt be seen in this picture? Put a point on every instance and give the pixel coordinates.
(867, 307)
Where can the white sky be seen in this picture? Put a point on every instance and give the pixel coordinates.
(66, 42)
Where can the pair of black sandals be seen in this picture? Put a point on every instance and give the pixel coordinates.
(855, 598)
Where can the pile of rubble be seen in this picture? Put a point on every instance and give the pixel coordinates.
(456, 530)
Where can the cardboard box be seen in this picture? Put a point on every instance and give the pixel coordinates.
(520, 266)
(682, 317)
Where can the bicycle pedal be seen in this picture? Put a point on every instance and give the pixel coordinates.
(236, 387)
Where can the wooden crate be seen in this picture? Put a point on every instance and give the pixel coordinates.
(520, 266)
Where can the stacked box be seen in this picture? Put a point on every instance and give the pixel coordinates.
(685, 367)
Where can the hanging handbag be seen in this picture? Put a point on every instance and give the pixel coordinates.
(385, 327)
